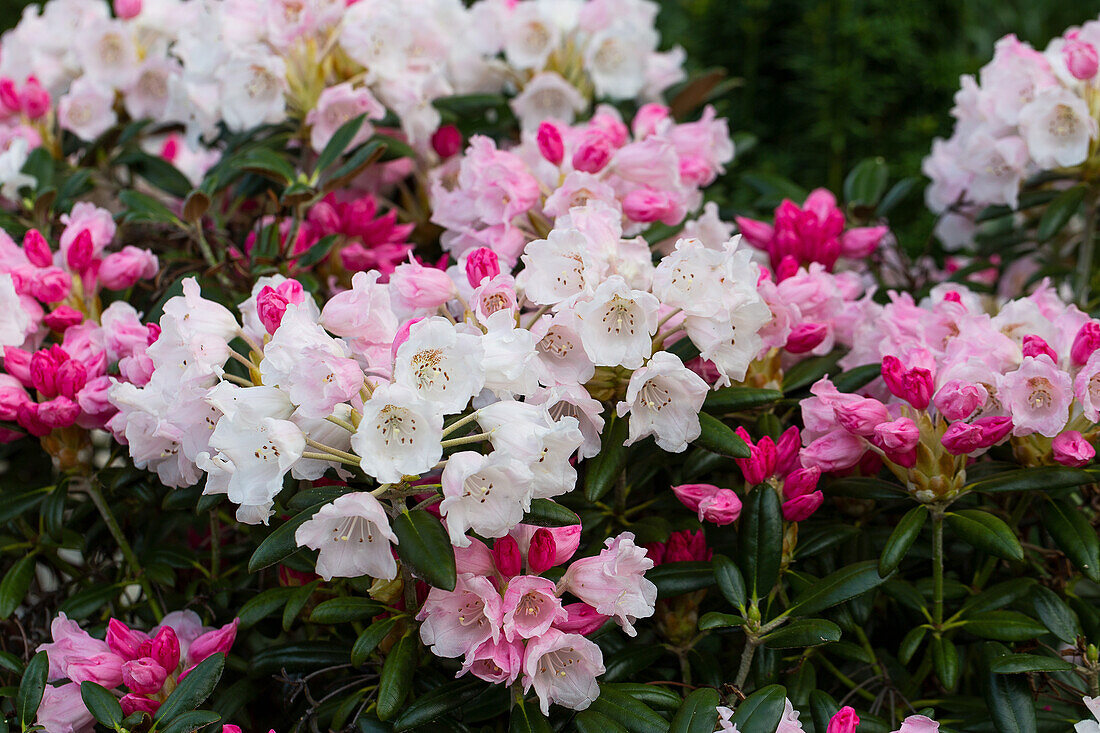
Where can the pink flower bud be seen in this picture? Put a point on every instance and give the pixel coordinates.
(270, 308)
(17, 363)
(610, 125)
(648, 205)
(34, 100)
(898, 436)
(801, 482)
(123, 640)
(541, 554)
(550, 143)
(12, 395)
(1071, 449)
(60, 412)
(230, 728)
(81, 252)
(802, 507)
(686, 546)
(127, 9)
(506, 556)
(9, 97)
(861, 242)
(715, 505)
(213, 642)
(30, 421)
(481, 263)
(993, 429)
(120, 270)
(806, 337)
(446, 141)
(835, 451)
(761, 461)
(102, 668)
(71, 378)
(143, 676)
(132, 703)
(961, 438)
(861, 415)
(655, 551)
(51, 285)
(1081, 59)
(1085, 342)
(648, 119)
(786, 451)
(912, 385)
(43, 371)
(165, 649)
(1035, 345)
(422, 287)
(757, 233)
(583, 619)
(787, 267)
(845, 721)
(958, 400)
(37, 249)
(63, 317)
(402, 335)
(593, 153)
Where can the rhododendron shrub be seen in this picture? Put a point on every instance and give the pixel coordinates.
(389, 367)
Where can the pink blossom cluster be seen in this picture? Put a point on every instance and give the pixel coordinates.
(62, 351)
(148, 665)
(1028, 111)
(844, 721)
(957, 380)
(649, 172)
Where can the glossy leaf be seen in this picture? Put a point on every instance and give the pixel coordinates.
(762, 710)
(730, 581)
(369, 640)
(986, 532)
(843, 585)
(101, 704)
(193, 691)
(675, 578)
(396, 679)
(439, 701)
(14, 586)
(734, 399)
(1074, 535)
(604, 469)
(803, 633)
(717, 437)
(345, 610)
(901, 539)
(698, 714)
(32, 685)
(761, 540)
(424, 546)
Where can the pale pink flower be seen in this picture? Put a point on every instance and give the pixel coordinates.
(614, 581)
(455, 623)
(1037, 396)
(353, 535)
(530, 606)
(563, 669)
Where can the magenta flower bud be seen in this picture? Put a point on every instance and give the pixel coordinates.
(757, 233)
(71, 378)
(1081, 59)
(34, 100)
(958, 400)
(1035, 345)
(37, 249)
(123, 640)
(132, 703)
(1085, 342)
(120, 270)
(507, 557)
(787, 449)
(806, 337)
(861, 415)
(143, 676)
(761, 461)
(43, 372)
(993, 429)
(51, 285)
(447, 141)
(687, 546)
(9, 97)
(787, 267)
(28, 418)
(270, 308)
(712, 504)
(648, 118)
(915, 385)
(542, 551)
(802, 507)
(81, 252)
(550, 143)
(845, 721)
(593, 153)
(900, 436)
(861, 242)
(63, 317)
(17, 363)
(961, 438)
(481, 263)
(801, 482)
(165, 648)
(60, 412)
(1071, 449)
(127, 9)
(230, 728)
(213, 642)
(583, 619)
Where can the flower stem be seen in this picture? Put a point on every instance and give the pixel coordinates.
(751, 642)
(466, 439)
(937, 567)
(1085, 253)
(113, 527)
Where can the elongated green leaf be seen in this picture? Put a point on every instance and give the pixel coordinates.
(339, 142)
(808, 371)
(804, 632)
(589, 721)
(604, 469)
(441, 700)
(13, 588)
(1055, 614)
(866, 183)
(730, 582)
(344, 610)
(698, 714)
(761, 540)
(316, 253)
(910, 643)
(31, 687)
(193, 691)
(397, 675)
(1008, 697)
(424, 546)
(297, 601)
(356, 163)
(857, 377)
(1015, 663)
(717, 437)
(654, 696)
(897, 193)
(192, 721)
(945, 661)
(714, 620)
(627, 662)
(632, 714)
(268, 163)
(986, 532)
(1004, 626)
(822, 709)
(548, 513)
(369, 640)
(280, 544)
(263, 605)
(1074, 535)
(1059, 212)
(901, 539)
(843, 585)
(142, 207)
(1035, 478)
(997, 596)
(734, 399)
(675, 578)
(527, 718)
(762, 710)
(101, 704)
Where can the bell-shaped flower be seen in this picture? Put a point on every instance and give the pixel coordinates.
(488, 494)
(399, 434)
(499, 662)
(353, 537)
(1037, 396)
(617, 324)
(563, 669)
(663, 399)
(442, 365)
(614, 581)
(455, 623)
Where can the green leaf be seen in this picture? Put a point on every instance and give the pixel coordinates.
(734, 399)
(901, 539)
(997, 596)
(866, 183)
(344, 610)
(1055, 614)
(730, 582)
(339, 142)
(714, 620)
(589, 721)
(698, 714)
(986, 532)
(945, 661)
(192, 721)
(857, 377)
(356, 163)
(630, 660)
(157, 171)
(632, 714)
(527, 718)
(31, 686)
(193, 691)
(761, 540)
(1015, 663)
(14, 586)
(604, 469)
(263, 605)
(808, 371)
(910, 643)
(101, 704)
(317, 252)
(87, 602)
(268, 163)
(1074, 535)
(280, 544)
(822, 709)
(1004, 626)
(897, 193)
(717, 437)
(548, 513)
(1008, 697)
(804, 632)
(142, 207)
(423, 545)
(1059, 212)
(397, 675)
(298, 657)
(445, 698)
(1036, 478)
(762, 710)
(652, 695)
(843, 585)
(369, 640)
(296, 602)
(676, 578)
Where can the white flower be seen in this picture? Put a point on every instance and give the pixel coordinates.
(86, 110)
(705, 282)
(442, 365)
(547, 96)
(1090, 726)
(732, 340)
(563, 669)
(327, 433)
(560, 356)
(1057, 127)
(528, 433)
(530, 36)
(616, 60)
(573, 400)
(998, 167)
(617, 324)
(12, 177)
(14, 321)
(252, 87)
(560, 269)
(108, 54)
(488, 494)
(353, 535)
(398, 435)
(663, 399)
(509, 357)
